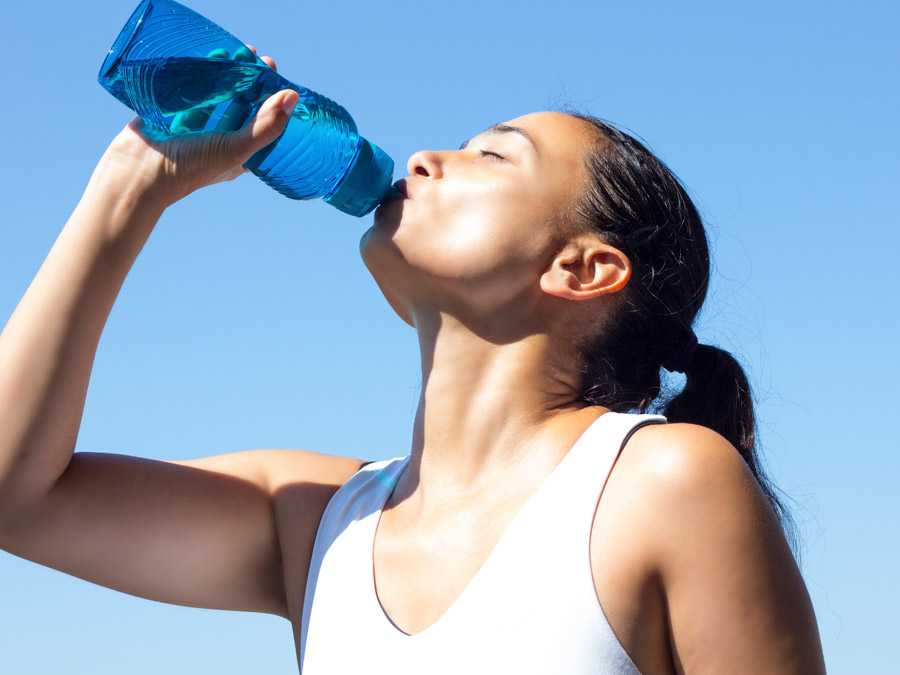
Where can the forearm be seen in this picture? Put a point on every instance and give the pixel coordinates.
(47, 348)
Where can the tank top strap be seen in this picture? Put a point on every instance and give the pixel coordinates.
(590, 461)
(573, 490)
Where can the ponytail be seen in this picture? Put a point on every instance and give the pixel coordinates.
(717, 395)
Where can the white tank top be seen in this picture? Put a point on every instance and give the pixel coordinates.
(531, 608)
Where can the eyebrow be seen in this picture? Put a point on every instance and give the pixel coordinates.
(498, 129)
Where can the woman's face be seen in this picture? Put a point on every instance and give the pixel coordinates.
(476, 227)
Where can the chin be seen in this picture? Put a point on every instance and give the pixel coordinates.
(385, 263)
(377, 244)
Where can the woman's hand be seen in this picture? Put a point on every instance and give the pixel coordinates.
(175, 167)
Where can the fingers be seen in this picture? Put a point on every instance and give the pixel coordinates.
(269, 122)
(245, 54)
(191, 120)
(234, 117)
(239, 109)
(268, 60)
(235, 113)
(196, 119)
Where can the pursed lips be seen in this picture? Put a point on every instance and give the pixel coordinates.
(401, 188)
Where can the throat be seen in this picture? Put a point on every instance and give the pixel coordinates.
(482, 408)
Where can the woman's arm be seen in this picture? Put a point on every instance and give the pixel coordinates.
(699, 525)
(200, 536)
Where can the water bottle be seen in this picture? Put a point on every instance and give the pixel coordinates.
(180, 72)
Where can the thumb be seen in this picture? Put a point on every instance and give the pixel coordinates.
(269, 122)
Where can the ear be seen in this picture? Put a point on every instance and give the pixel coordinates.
(586, 269)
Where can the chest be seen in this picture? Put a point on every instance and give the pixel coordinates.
(419, 573)
(519, 611)
(421, 569)
(593, 565)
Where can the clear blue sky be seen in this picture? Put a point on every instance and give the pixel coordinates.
(249, 320)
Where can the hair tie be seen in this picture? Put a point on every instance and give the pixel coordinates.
(681, 359)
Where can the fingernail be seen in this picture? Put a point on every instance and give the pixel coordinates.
(288, 103)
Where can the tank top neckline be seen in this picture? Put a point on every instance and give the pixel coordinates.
(389, 484)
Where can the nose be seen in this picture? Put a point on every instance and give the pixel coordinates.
(427, 163)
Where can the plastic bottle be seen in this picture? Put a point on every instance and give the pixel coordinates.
(181, 72)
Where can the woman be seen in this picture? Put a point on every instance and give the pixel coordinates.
(551, 266)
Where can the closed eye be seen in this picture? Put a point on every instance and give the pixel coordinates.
(490, 153)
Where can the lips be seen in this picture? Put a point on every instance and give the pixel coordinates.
(396, 193)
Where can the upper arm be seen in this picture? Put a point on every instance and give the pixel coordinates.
(735, 597)
(201, 532)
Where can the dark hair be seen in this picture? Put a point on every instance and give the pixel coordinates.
(642, 208)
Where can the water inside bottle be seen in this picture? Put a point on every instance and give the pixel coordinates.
(189, 94)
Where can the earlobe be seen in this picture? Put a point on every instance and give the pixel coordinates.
(586, 272)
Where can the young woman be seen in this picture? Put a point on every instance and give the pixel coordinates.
(551, 267)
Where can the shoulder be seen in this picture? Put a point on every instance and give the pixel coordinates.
(680, 450)
(686, 510)
(690, 486)
(684, 502)
(685, 460)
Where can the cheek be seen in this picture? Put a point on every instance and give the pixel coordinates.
(474, 244)
(492, 225)
(491, 234)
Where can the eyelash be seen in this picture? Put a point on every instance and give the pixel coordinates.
(490, 153)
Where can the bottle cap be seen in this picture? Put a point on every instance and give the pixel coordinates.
(367, 182)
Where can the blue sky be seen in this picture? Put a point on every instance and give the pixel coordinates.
(249, 320)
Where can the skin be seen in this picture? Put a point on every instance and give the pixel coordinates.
(689, 564)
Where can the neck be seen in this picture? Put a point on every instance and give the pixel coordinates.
(487, 409)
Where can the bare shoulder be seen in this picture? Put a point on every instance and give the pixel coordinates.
(682, 453)
(690, 464)
(701, 526)
(693, 493)
(671, 477)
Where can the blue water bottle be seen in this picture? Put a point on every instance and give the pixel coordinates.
(181, 72)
